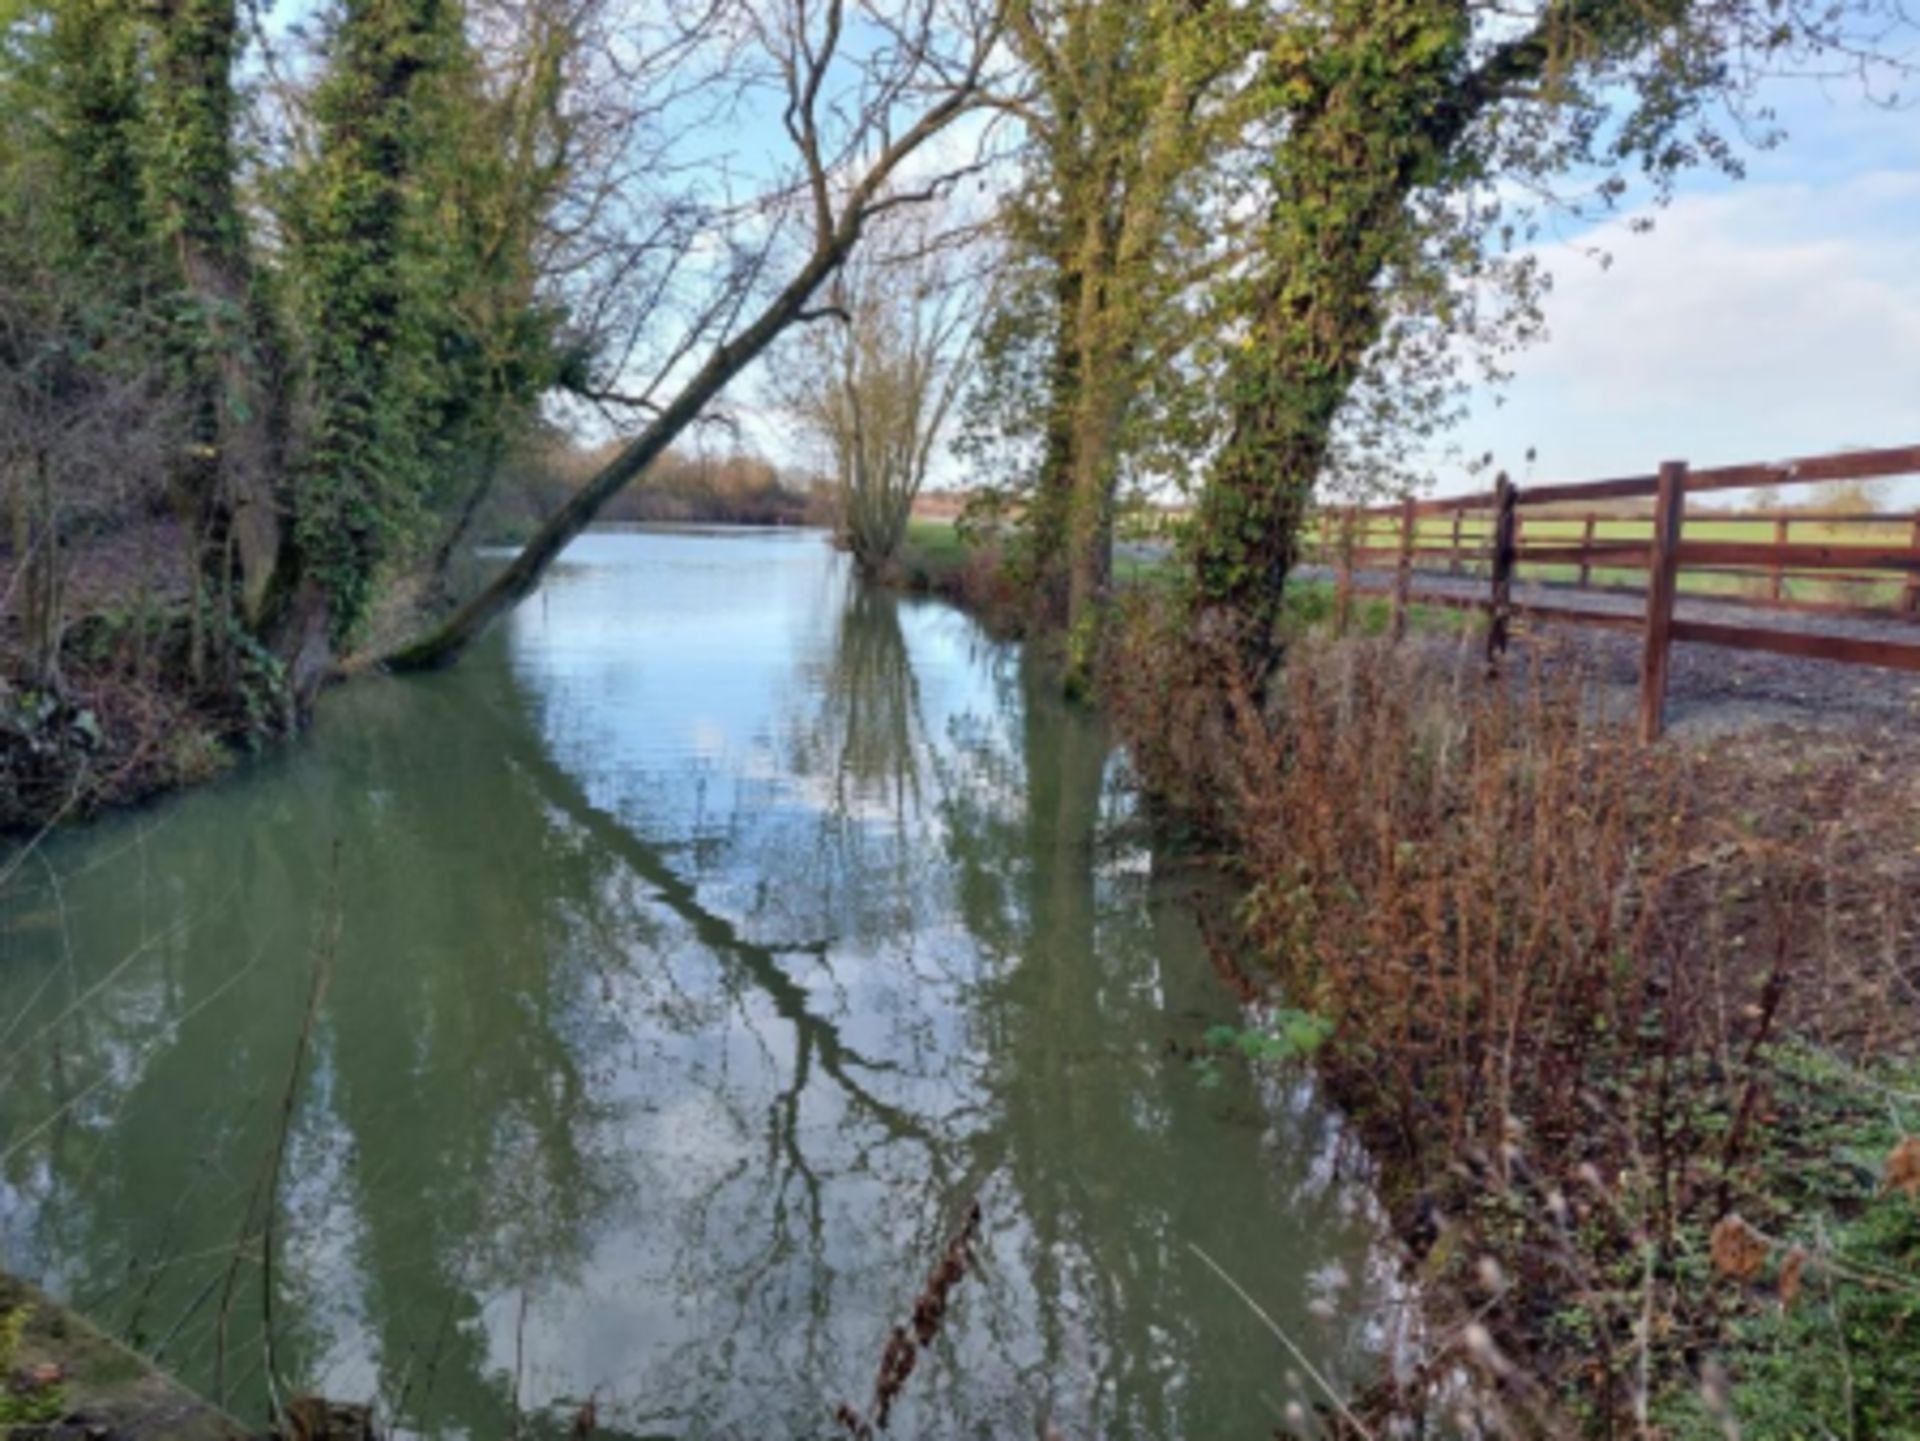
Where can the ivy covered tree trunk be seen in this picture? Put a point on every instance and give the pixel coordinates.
(1105, 334)
(234, 389)
(1099, 412)
(1377, 108)
(361, 480)
(1370, 120)
(1120, 134)
(93, 48)
(1047, 518)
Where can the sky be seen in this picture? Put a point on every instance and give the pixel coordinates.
(1764, 318)
(1761, 319)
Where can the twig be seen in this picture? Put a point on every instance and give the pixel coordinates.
(1285, 1340)
(906, 1342)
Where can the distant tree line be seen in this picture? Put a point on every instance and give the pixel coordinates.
(690, 488)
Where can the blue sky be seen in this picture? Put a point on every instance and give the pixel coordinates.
(1764, 318)
(1761, 319)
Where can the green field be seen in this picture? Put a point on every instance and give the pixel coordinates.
(1885, 589)
(934, 548)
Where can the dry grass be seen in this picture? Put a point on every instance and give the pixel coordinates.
(1560, 967)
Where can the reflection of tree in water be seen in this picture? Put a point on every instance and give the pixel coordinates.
(1115, 1156)
(862, 734)
(447, 1132)
(708, 1141)
(834, 1121)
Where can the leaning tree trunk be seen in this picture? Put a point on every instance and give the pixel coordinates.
(834, 239)
(1250, 520)
(445, 644)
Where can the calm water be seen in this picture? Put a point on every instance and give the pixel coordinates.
(698, 947)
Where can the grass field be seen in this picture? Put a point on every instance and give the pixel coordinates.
(934, 545)
(1882, 589)
(934, 549)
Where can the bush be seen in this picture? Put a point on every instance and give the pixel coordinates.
(1554, 967)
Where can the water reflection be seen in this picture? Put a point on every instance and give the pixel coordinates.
(703, 944)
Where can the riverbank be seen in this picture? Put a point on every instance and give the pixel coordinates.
(1629, 1033)
(127, 714)
(130, 718)
(63, 1380)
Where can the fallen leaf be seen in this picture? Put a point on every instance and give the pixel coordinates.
(1903, 1168)
(1738, 1250)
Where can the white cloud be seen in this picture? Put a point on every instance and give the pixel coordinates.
(1754, 323)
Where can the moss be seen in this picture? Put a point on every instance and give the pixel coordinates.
(98, 1378)
(27, 1397)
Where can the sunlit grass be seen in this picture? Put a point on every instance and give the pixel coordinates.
(1434, 534)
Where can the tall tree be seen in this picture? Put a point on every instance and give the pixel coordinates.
(358, 255)
(1395, 121)
(224, 334)
(1127, 106)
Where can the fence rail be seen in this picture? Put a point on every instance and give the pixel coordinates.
(1579, 539)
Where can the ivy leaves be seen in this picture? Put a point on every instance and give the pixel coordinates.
(1285, 1035)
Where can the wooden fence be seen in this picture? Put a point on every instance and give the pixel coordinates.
(1602, 538)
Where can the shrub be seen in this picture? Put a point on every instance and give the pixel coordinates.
(1554, 967)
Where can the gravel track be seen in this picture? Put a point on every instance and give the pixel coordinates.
(1712, 690)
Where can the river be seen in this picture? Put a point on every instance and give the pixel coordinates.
(693, 954)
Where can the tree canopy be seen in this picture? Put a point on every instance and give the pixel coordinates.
(330, 278)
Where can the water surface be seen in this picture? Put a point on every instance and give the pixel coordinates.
(692, 953)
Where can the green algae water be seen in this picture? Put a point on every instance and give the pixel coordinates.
(693, 954)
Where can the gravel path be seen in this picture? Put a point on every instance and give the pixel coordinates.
(1713, 690)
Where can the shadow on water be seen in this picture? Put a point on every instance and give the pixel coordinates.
(706, 942)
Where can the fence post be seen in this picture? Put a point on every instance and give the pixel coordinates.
(1912, 599)
(1453, 560)
(1343, 584)
(1505, 533)
(1403, 577)
(1586, 549)
(1782, 526)
(1663, 583)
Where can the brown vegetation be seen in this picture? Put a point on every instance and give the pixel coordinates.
(1560, 968)
(679, 488)
(905, 1343)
